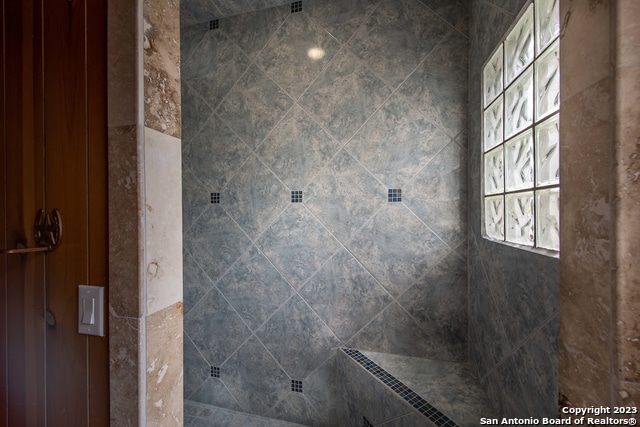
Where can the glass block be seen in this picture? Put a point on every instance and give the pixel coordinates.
(494, 217)
(548, 219)
(548, 82)
(518, 46)
(493, 125)
(548, 152)
(492, 77)
(518, 162)
(518, 104)
(520, 227)
(547, 23)
(493, 176)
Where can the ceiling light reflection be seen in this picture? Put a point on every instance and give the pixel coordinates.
(316, 53)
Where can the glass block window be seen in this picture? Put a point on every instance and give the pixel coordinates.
(520, 105)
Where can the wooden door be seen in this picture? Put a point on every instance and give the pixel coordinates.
(53, 130)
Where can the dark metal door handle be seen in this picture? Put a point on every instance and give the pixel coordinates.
(47, 231)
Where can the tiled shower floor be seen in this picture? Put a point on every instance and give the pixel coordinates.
(201, 415)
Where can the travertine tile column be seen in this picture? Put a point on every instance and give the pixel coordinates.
(145, 214)
(627, 207)
(600, 169)
(586, 138)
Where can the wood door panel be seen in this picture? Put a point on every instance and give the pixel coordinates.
(54, 83)
(98, 201)
(24, 194)
(65, 177)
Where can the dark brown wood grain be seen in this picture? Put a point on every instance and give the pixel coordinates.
(54, 145)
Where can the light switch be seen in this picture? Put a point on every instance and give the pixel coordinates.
(91, 310)
(88, 310)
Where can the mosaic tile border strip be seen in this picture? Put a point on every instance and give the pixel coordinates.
(425, 408)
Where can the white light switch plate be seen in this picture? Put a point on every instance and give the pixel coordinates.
(91, 310)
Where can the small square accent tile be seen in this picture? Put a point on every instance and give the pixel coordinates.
(296, 197)
(296, 6)
(215, 372)
(438, 418)
(296, 385)
(366, 422)
(215, 198)
(394, 195)
(214, 24)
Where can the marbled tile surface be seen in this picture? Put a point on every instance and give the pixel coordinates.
(200, 415)
(162, 66)
(164, 367)
(125, 81)
(341, 19)
(288, 58)
(251, 31)
(297, 149)
(255, 197)
(438, 87)
(215, 154)
(195, 111)
(455, 12)
(448, 386)
(254, 378)
(214, 225)
(396, 37)
(195, 198)
(362, 395)
(438, 194)
(344, 195)
(360, 94)
(395, 331)
(163, 203)
(215, 328)
(297, 338)
(628, 201)
(439, 304)
(276, 286)
(124, 368)
(345, 295)
(125, 241)
(196, 368)
(297, 244)
(396, 248)
(269, 290)
(196, 283)
(214, 67)
(396, 143)
(254, 106)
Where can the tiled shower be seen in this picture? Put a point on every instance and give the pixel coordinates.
(329, 201)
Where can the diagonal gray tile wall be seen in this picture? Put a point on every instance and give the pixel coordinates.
(272, 288)
(513, 293)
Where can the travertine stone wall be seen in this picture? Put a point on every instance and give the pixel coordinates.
(600, 134)
(627, 207)
(586, 141)
(163, 212)
(145, 290)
